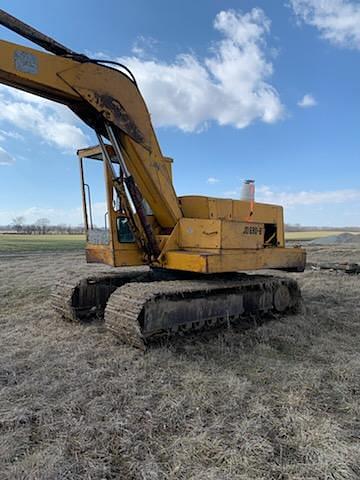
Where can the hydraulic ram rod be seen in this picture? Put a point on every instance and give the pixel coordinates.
(135, 195)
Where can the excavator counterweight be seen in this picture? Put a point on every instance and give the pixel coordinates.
(195, 246)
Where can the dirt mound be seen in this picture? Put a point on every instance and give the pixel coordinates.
(336, 239)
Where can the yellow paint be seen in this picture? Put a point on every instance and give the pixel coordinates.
(242, 235)
(46, 82)
(127, 255)
(236, 260)
(199, 233)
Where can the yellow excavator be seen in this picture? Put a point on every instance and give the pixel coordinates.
(197, 247)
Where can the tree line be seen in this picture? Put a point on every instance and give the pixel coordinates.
(301, 228)
(41, 226)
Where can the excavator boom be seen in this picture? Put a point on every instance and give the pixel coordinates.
(100, 96)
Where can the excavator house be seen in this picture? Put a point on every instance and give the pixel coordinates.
(198, 248)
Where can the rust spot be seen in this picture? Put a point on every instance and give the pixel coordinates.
(114, 111)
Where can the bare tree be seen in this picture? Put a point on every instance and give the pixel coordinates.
(18, 223)
(43, 224)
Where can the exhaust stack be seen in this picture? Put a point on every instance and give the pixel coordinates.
(247, 192)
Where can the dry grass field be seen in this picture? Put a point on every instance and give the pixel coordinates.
(278, 401)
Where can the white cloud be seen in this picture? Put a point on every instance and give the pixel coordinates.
(57, 216)
(229, 87)
(5, 157)
(143, 45)
(212, 180)
(288, 199)
(31, 214)
(337, 20)
(54, 123)
(10, 134)
(307, 101)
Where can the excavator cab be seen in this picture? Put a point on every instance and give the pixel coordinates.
(109, 237)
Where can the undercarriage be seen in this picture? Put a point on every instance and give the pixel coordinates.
(138, 307)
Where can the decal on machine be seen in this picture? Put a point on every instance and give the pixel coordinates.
(26, 62)
(252, 230)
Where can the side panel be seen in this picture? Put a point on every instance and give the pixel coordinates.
(197, 233)
(185, 261)
(99, 254)
(237, 260)
(195, 206)
(220, 208)
(128, 255)
(243, 260)
(242, 235)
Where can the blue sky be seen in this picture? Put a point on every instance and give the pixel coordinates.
(237, 89)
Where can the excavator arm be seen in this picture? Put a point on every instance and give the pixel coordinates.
(106, 99)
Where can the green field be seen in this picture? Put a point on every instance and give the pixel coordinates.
(312, 235)
(39, 243)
